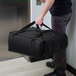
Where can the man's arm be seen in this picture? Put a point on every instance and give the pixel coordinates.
(48, 4)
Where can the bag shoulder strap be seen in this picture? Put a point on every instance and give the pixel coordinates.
(29, 25)
(25, 27)
(45, 26)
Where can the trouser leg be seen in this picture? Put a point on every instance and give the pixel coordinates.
(59, 24)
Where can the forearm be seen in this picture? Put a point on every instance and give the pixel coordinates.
(48, 4)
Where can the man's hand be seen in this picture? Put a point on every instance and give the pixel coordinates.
(39, 20)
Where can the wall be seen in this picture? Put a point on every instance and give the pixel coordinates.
(71, 31)
(35, 12)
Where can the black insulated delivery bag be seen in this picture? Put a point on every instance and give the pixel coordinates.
(37, 43)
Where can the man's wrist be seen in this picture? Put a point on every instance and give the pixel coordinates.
(42, 16)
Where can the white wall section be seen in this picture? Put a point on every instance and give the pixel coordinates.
(35, 12)
(71, 31)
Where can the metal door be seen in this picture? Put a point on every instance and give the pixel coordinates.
(13, 16)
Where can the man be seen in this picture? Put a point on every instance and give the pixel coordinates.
(61, 14)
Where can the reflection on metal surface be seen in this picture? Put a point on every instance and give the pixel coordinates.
(38, 2)
(13, 16)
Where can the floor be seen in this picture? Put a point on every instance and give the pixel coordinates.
(22, 67)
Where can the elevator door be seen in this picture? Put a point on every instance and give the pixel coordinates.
(11, 18)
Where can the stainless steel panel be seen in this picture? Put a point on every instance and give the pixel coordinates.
(12, 17)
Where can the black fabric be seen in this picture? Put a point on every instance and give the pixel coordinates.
(50, 64)
(37, 43)
(61, 7)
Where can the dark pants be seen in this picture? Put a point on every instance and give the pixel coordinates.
(59, 23)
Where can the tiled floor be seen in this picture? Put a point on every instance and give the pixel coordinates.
(21, 67)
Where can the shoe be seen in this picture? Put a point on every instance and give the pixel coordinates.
(50, 64)
(55, 73)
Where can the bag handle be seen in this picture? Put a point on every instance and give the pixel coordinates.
(25, 27)
(29, 25)
(45, 26)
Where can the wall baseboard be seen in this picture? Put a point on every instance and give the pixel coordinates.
(71, 69)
